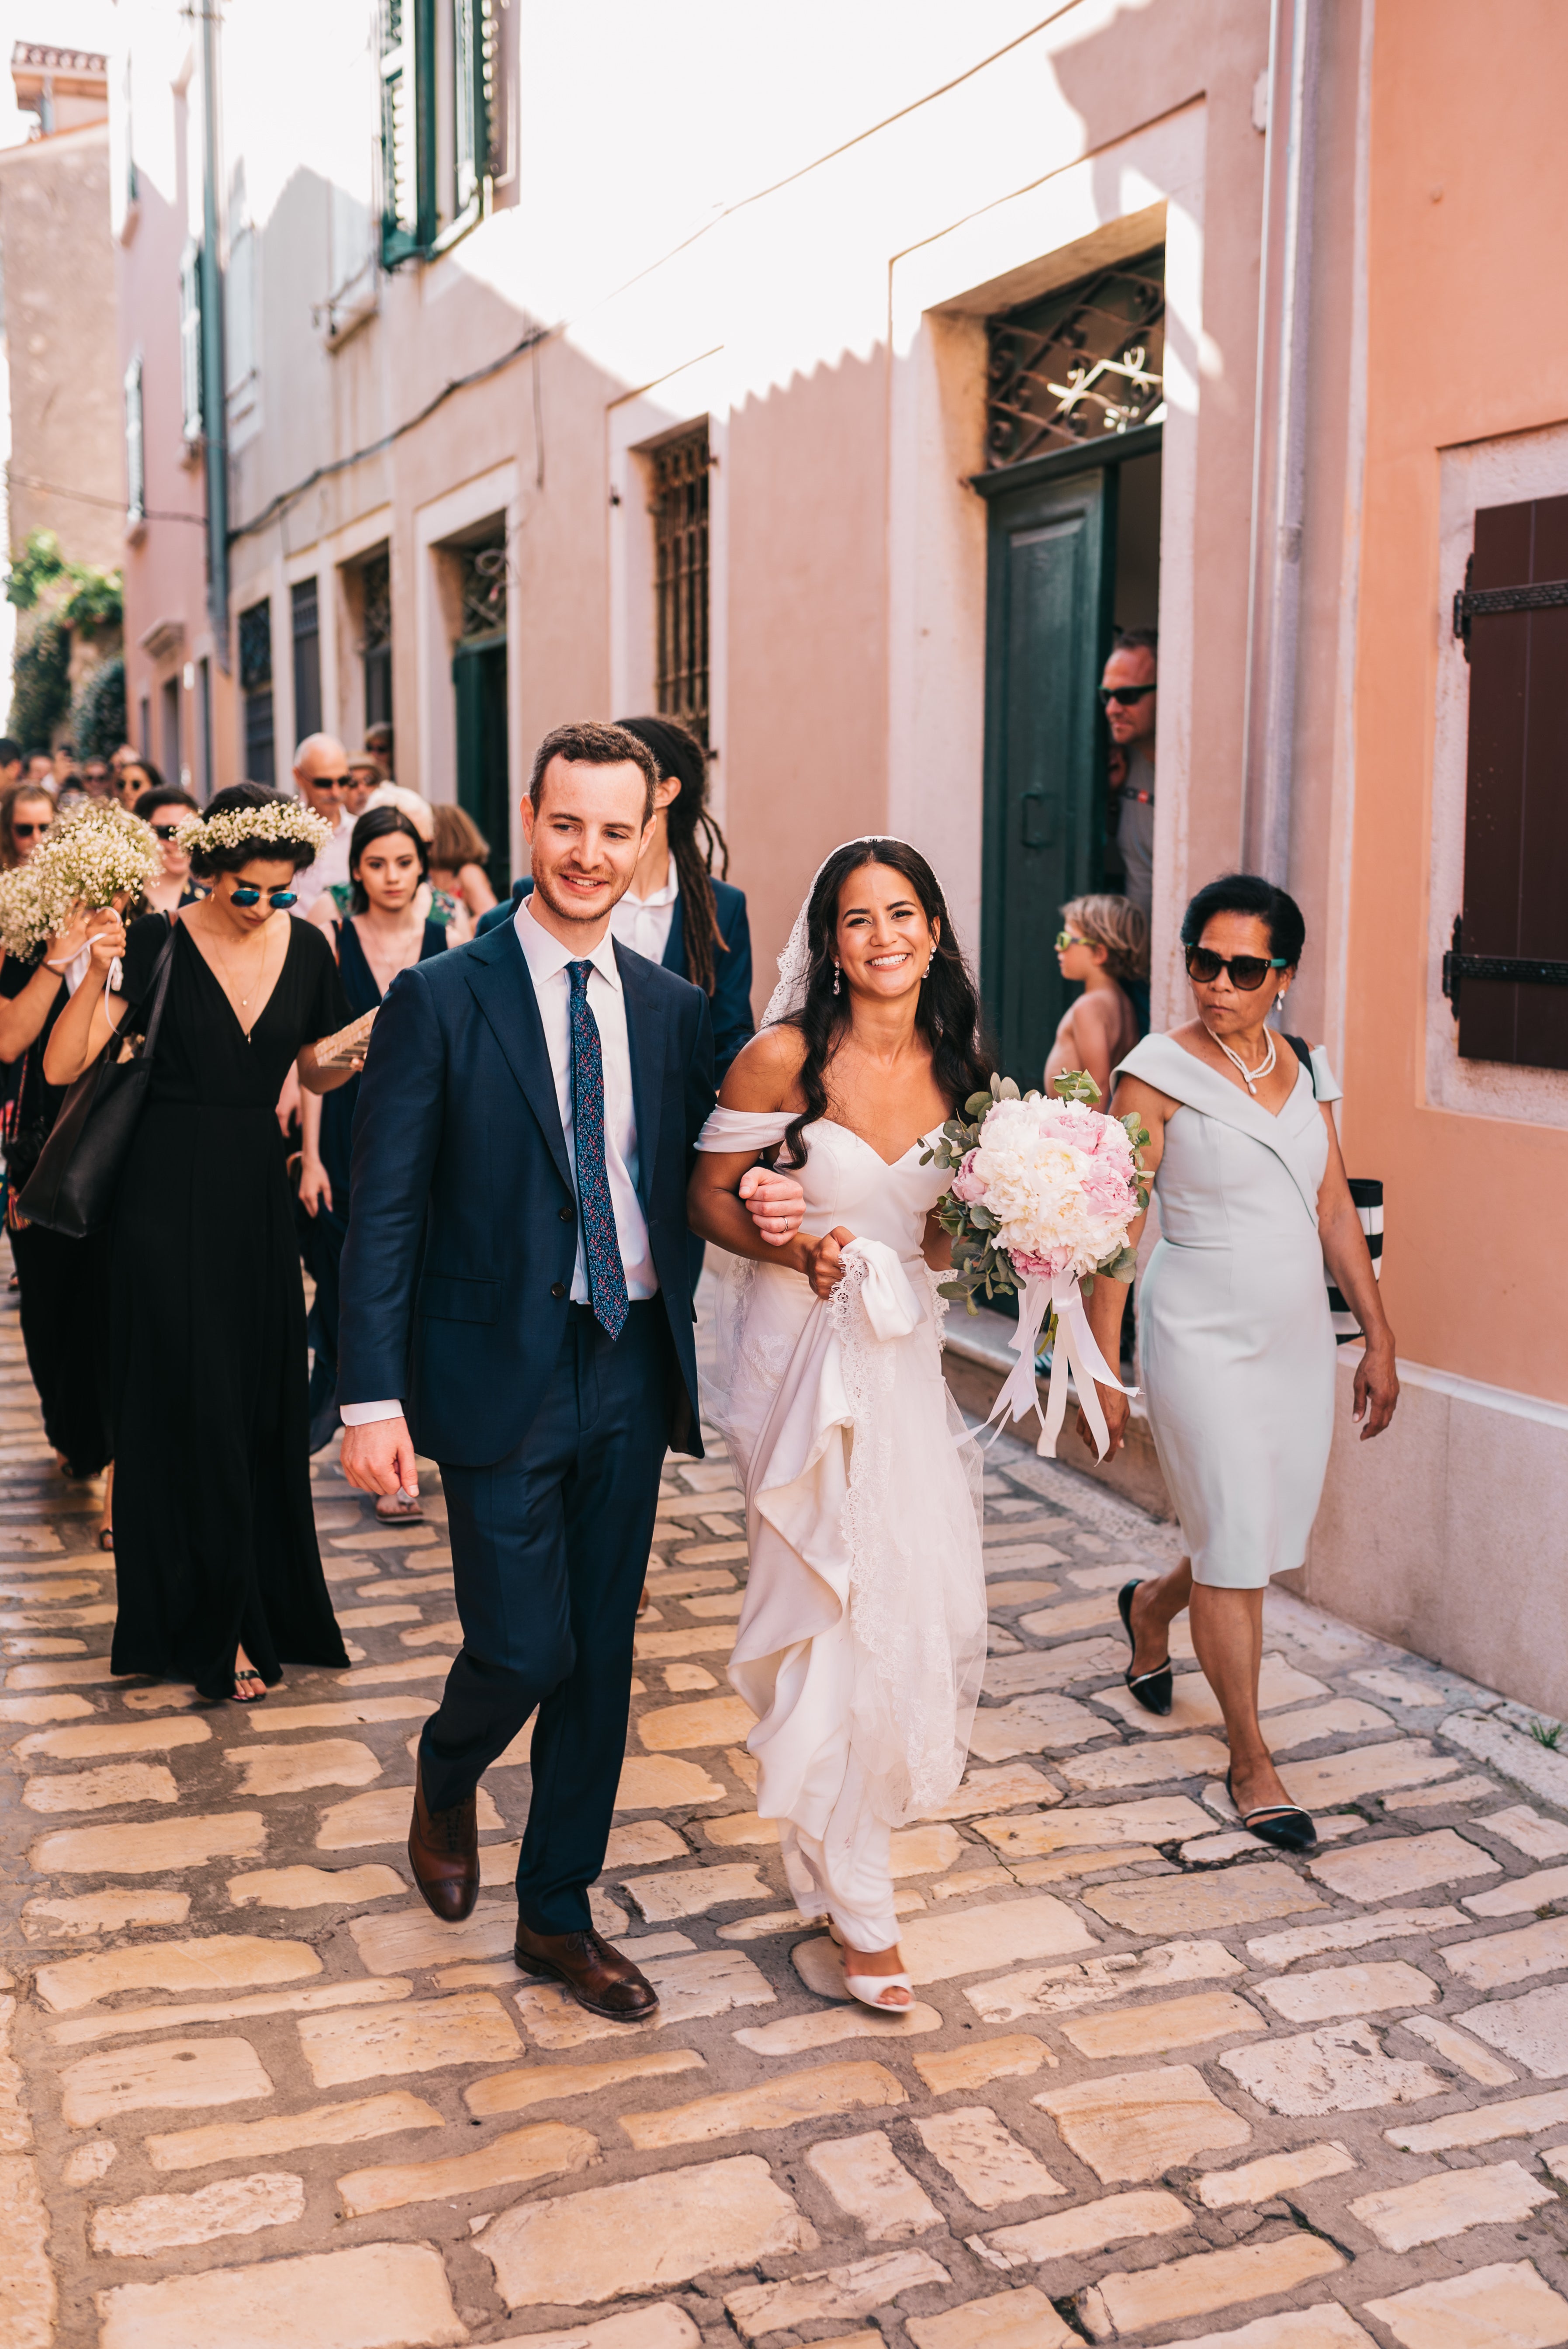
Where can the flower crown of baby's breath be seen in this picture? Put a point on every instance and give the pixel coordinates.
(275, 819)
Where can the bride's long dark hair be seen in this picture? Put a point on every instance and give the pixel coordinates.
(948, 1011)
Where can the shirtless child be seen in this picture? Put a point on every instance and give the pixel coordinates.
(1103, 941)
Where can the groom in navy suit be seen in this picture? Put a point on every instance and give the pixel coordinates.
(517, 1306)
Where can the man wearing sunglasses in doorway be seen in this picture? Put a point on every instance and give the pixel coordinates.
(321, 774)
(1128, 695)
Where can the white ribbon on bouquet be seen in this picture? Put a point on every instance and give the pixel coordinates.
(1075, 1342)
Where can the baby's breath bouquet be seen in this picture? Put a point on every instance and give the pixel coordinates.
(92, 859)
(23, 925)
(97, 857)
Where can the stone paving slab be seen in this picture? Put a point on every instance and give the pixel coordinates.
(1160, 2083)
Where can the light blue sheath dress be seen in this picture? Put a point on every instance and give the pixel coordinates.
(1236, 1347)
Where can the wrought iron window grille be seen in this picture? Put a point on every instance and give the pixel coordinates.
(1082, 363)
(256, 648)
(376, 604)
(484, 582)
(679, 508)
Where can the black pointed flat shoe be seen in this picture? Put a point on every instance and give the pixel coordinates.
(1153, 1691)
(1285, 1825)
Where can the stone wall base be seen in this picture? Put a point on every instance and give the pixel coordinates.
(1447, 1533)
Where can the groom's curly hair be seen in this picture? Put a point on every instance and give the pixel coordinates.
(947, 1014)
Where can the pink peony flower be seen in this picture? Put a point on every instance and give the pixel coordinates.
(966, 1184)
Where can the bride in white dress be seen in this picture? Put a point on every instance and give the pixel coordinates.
(862, 1639)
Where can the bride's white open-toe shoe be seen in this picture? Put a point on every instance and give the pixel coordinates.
(868, 1988)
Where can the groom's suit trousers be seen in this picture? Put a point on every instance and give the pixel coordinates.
(550, 1546)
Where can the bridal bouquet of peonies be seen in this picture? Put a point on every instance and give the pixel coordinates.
(1043, 1192)
(97, 857)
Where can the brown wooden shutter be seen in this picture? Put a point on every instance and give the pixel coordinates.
(1516, 797)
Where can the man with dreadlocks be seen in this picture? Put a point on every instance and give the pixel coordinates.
(676, 912)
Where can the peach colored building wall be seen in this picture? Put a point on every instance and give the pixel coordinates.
(1451, 1538)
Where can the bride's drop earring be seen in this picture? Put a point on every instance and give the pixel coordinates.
(838, 976)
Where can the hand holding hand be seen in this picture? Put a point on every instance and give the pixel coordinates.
(777, 1201)
(826, 1268)
(379, 1458)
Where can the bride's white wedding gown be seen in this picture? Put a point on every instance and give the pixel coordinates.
(862, 1639)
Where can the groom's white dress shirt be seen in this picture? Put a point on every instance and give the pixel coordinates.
(547, 959)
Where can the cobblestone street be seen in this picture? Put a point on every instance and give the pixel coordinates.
(1159, 2085)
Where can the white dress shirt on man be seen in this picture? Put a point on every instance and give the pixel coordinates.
(547, 959)
(330, 866)
(644, 923)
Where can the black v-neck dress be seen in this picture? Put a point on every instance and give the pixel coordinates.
(214, 1537)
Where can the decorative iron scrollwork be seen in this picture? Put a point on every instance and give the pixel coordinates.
(1080, 364)
(375, 603)
(256, 647)
(484, 576)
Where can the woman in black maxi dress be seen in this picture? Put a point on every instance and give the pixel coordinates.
(215, 1544)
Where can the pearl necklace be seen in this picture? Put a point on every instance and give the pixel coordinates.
(1250, 1077)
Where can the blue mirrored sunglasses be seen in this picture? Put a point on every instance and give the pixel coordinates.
(275, 897)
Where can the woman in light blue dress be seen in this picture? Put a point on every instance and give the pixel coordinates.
(1237, 1348)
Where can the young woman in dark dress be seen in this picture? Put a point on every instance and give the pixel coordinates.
(383, 935)
(61, 1281)
(219, 1573)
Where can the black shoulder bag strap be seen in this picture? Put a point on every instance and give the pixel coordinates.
(1299, 1046)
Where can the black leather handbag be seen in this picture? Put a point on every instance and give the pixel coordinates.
(72, 1188)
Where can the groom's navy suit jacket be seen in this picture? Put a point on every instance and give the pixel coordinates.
(463, 1225)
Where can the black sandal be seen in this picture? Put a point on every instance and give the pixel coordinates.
(240, 1680)
(1285, 1825)
(1155, 1690)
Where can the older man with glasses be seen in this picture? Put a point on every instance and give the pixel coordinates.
(1128, 695)
(321, 777)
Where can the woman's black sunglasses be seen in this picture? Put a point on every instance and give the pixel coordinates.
(277, 898)
(166, 831)
(1246, 971)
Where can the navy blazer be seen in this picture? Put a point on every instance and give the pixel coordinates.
(733, 1025)
(462, 1228)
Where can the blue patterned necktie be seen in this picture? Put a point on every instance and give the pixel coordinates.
(601, 1241)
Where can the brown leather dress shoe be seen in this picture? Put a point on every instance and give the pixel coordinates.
(598, 1976)
(444, 1854)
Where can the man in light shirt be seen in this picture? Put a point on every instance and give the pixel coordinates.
(516, 1304)
(321, 777)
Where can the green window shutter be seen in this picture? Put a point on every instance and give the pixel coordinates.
(472, 51)
(190, 339)
(407, 145)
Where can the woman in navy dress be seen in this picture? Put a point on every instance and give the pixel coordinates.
(387, 862)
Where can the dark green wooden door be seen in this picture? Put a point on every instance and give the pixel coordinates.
(1048, 632)
(479, 679)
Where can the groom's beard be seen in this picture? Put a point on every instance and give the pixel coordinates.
(570, 909)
